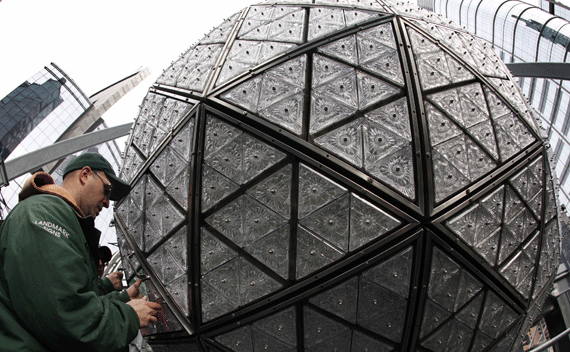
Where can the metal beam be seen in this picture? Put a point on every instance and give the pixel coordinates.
(36, 159)
(553, 70)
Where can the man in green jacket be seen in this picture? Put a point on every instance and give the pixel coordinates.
(49, 295)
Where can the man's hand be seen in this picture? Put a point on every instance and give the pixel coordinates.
(145, 310)
(116, 279)
(133, 291)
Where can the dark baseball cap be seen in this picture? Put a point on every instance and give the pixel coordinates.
(97, 162)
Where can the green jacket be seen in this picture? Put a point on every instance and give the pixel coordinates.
(49, 294)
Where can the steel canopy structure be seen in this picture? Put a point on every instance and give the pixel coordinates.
(339, 175)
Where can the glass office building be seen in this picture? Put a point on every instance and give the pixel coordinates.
(48, 108)
(556, 8)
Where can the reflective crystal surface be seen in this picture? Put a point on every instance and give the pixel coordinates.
(341, 175)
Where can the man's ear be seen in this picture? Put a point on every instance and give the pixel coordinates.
(83, 174)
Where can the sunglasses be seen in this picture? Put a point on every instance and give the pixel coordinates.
(108, 187)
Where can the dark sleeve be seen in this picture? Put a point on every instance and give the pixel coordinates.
(105, 286)
(51, 284)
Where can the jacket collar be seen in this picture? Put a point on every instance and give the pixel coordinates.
(42, 183)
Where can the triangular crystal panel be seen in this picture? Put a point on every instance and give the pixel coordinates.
(519, 271)
(420, 43)
(244, 158)
(274, 90)
(440, 126)
(394, 273)
(167, 165)
(183, 140)
(221, 283)
(132, 165)
(479, 228)
(324, 20)
(253, 282)
(245, 220)
(397, 171)
(289, 27)
(380, 143)
(381, 310)
(448, 179)
(213, 252)
(479, 162)
(215, 187)
(239, 340)
(340, 300)
(287, 113)
(198, 67)
(331, 222)
(158, 136)
(452, 336)
(512, 135)
(326, 111)
(343, 90)
(344, 49)
(254, 29)
(387, 65)
(345, 142)
(270, 50)
(433, 70)
(218, 134)
(179, 187)
(383, 33)
(367, 222)
(173, 112)
(169, 260)
(232, 69)
(372, 90)
(497, 316)
(377, 52)
(161, 218)
(292, 71)
(229, 160)
(353, 17)
(258, 157)
(246, 95)
(434, 316)
(445, 280)
(178, 290)
(470, 313)
(275, 191)
(323, 333)
(282, 326)
(394, 117)
(273, 251)
(327, 70)
(153, 192)
(313, 253)
(484, 134)
(315, 190)
(263, 341)
(361, 342)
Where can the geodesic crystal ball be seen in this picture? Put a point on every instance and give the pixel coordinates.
(339, 175)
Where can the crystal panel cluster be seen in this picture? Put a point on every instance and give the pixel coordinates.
(341, 175)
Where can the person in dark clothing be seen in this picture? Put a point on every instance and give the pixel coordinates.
(49, 294)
